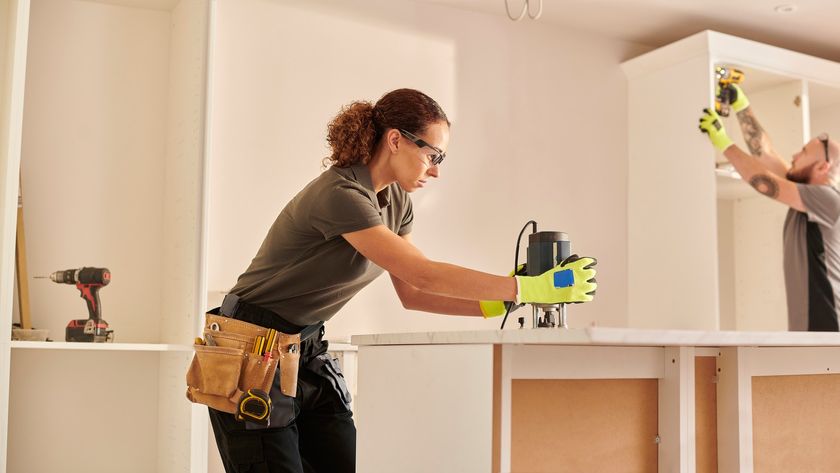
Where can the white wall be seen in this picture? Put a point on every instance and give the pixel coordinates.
(825, 118)
(539, 132)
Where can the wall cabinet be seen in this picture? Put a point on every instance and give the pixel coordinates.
(704, 249)
(103, 118)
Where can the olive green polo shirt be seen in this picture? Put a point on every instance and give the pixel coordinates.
(305, 271)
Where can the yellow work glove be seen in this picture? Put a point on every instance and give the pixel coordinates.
(498, 308)
(492, 308)
(573, 280)
(737, 98)
(711, 124)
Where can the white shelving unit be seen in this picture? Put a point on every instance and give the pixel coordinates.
(705, 250)
(103, 116)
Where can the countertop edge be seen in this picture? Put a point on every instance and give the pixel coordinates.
(609, 336)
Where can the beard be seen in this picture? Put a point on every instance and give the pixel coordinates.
(801, 176)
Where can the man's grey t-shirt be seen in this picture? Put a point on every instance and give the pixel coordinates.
(305, 271)
(812, 260)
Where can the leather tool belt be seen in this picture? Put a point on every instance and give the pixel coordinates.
(235, 361)
(236, 357)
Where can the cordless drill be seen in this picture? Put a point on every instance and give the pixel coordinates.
(88, 281)
(726, 76)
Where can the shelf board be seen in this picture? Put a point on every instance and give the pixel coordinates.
(160, 347)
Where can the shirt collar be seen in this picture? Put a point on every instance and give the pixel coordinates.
(362, 174)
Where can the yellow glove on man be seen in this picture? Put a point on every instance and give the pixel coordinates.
(711, 124)
(737, 98)
(573, 280)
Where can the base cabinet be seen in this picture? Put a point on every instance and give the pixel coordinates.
(600, 399)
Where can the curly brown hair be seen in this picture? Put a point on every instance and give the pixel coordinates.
(358, 127)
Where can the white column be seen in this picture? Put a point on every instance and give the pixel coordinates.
(676, 412)
(734, 404)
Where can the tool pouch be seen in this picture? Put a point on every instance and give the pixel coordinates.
(225, 366)
(288, 354)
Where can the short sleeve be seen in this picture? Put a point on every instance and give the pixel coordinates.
(408, 217)
(345, 208)
(822, 203)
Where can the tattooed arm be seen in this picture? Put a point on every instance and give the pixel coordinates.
(759, 143)
(763, 180)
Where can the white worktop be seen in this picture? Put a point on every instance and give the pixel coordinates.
(604, 336)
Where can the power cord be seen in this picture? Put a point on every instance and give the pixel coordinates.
(516, 266)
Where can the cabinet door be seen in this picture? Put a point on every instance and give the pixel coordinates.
(672, 237)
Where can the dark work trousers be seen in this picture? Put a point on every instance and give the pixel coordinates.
(310, 433)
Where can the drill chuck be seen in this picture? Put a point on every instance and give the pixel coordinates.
(99, 276)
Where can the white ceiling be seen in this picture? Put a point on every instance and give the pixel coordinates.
(814, 28)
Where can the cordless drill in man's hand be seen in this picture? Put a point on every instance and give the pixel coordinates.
(727, 90)
(88, 281)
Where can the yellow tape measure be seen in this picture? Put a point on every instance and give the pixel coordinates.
(254, 406)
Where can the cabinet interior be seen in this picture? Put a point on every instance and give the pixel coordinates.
(791, 110)
(112, 161)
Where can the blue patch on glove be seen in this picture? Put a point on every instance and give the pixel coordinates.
(565, 278)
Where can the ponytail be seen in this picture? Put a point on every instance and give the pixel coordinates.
(352, 135)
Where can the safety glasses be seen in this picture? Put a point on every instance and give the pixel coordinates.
(824, 140)
(439, 155)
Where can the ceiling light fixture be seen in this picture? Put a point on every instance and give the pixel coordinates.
(526, 8)
(786, 8)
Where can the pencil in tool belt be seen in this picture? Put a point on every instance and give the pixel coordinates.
(269, 343)
(259, 342)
